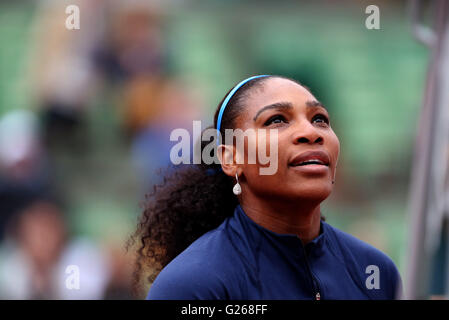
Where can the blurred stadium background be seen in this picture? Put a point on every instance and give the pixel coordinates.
(85, 117)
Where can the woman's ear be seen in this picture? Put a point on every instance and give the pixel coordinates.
(227, 156)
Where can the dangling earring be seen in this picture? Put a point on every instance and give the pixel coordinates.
(237, 189)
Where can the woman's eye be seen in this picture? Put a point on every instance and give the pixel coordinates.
(275, 119)
(321, 118)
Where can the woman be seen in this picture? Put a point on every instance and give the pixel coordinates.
(225, 231)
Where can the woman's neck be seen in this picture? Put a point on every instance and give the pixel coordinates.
(302, 219)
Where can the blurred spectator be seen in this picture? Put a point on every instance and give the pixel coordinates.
(24, 173)
(134, 45)
(151, 145)
(63, 76)
(35, 263)
(133, 57)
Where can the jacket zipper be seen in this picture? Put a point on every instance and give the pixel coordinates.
(315, 284)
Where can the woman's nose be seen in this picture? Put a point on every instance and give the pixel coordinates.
(305, 132)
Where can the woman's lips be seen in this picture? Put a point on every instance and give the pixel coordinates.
(316, 157)
(311, 168)
(316, 162)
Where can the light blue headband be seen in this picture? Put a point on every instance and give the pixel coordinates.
(228, 97)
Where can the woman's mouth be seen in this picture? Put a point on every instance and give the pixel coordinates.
(311, 162)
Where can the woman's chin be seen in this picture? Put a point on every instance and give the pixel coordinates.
(317, 191)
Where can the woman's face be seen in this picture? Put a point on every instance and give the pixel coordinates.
(303, 126)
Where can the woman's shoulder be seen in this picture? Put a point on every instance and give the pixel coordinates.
(205, 270)
(365, 260)
(358, 247)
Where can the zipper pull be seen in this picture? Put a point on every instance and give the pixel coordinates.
(317, 296)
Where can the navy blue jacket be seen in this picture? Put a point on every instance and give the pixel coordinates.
(241, 260)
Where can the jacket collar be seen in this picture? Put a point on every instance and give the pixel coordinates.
(255, 233)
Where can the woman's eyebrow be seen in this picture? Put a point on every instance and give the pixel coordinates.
(315, 104)
(277, 105)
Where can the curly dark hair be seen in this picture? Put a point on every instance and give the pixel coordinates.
(192, 200)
